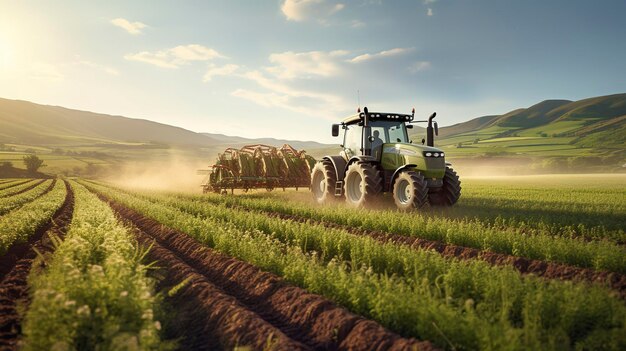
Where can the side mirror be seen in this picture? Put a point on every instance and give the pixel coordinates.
(410, 141)
(409, 126)
(436, 129)
(423, 141)
(335, 130)
(371, 139)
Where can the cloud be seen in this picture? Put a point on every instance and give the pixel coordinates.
(322, 84)
(287, 96)
(419, 66)
(214, 70)
(96, 66)
(291, 65)
(357, 24)
(175, 57)
(386, 53)
(304, 10)
(429, 12)
(133, 28)
(263, 99)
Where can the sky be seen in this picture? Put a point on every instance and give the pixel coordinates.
(290, 68)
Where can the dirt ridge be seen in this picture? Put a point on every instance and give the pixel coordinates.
(306, 318)
(16, 266)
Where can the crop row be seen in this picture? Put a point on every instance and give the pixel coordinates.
(13, 182)
(94, 293)
(600, 255)
(464, 305)
(10, 182)
(17, 188)
(18, 225)
(590, 208)
(12, 202)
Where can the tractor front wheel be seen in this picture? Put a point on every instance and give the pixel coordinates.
(323, 179)
(410, 191)
(450, 191)
(362, 184)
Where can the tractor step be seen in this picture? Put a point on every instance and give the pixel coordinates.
(339, 188)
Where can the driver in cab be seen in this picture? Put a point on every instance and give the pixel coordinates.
(377, 143)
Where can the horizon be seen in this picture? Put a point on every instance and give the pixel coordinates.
(174, 64)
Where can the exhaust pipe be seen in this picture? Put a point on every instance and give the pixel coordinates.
(367, 132)
(430, 134)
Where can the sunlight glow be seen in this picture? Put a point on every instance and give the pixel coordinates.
(6, 54)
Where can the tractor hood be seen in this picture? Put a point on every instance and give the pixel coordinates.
(395, 155)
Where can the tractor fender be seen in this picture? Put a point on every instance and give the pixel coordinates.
(397, 171)
(339, 163)
(362, 158)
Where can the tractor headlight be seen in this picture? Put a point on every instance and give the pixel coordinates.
(433, 154)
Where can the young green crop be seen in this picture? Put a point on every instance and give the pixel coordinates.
(434, 302)
(12, 202)
(11, 182)
(17, 226)
(601, 255)
(94, 293)
(8, 191)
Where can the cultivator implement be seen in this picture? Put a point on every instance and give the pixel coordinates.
(259, 167)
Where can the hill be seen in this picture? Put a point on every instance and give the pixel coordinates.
(555, 128)
(80, 142)
(30, 123)
(235, 141)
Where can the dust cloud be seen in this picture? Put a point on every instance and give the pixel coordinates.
(171, 174)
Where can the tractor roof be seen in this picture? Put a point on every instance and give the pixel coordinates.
(378, 116)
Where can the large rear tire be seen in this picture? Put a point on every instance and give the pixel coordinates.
(323, 179)
(410, 191)
(362, 185)
(450, 191)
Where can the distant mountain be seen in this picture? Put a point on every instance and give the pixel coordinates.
(30, 123)
(239, 141)
(468, 126)
(550, 128)
(533, 116)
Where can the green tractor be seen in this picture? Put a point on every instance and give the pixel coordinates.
(378, 157)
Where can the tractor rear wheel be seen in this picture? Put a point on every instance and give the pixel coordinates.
(410, 191)
(450, 191)
(362, 184)
(323, 179)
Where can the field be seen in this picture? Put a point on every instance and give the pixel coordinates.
(527, 262)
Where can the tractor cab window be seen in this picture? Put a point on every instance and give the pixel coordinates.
(389, 132)
(352, 140)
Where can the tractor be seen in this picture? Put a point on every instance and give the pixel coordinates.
(378, 157)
